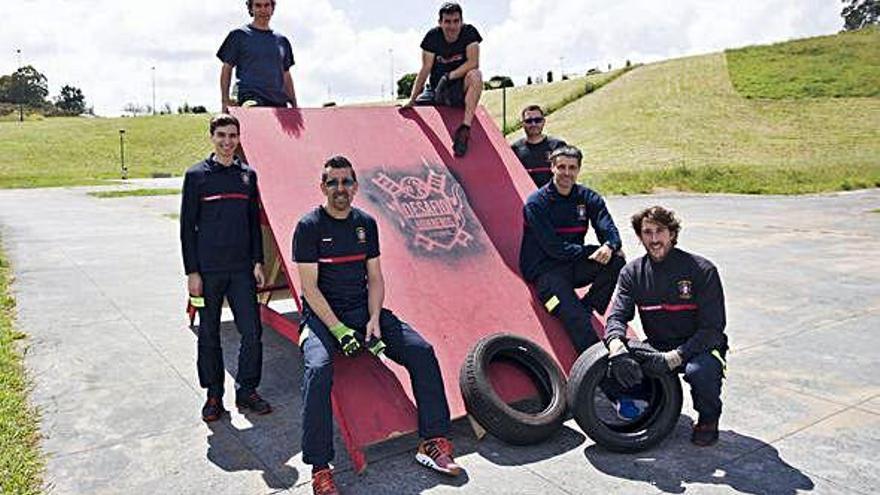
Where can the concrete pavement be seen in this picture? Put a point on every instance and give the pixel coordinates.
(100, 288)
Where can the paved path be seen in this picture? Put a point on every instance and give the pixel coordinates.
(99, 287)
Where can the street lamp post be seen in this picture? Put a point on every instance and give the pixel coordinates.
(18, 88)
(153, 69)
(391, 82)
(122, 166)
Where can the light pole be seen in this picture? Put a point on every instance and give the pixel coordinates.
(18, 89)
(391, 82)
(153, 70)
(122, 154)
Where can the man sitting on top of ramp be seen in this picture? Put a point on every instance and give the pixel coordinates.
(451, 55)
(336, 248)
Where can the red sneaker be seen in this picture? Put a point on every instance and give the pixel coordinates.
(322, 483)
(436, 454)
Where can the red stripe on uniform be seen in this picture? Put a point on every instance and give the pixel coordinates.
(539, 170)
(343, 259)
(218, 197)
(669, 307)
(571, 230)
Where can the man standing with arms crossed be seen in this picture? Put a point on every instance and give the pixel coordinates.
(262, 59)
(681, 305)
(223, 257)
(336, 248)
(451, 57)
(534, 149)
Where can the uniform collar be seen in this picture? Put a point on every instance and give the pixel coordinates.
(214, 164)
(554, 193)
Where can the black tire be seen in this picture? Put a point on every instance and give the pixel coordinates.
(663, 394)
(505, 422)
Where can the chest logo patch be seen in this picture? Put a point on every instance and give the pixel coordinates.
(245, 178)
(430, 209)
(685, 289)
(361, 234)
(582, 212)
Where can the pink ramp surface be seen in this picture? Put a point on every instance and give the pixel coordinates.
(449, 233)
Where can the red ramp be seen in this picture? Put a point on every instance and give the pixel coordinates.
(449, 233)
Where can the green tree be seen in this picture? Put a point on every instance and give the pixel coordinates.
(25, 86)
(860, 13)
(405, 85)
(71, 100)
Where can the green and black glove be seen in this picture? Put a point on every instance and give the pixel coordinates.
(621, 365)
(347, 339)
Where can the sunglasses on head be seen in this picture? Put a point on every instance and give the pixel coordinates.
(534, 120)
(346, 182)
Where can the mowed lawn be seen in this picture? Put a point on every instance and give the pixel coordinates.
(62, 151)
(679, 124)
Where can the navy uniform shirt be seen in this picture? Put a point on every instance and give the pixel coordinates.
(341, 249)
(260, 57)
(448, 56)
(555, 226)
(219, 218)
(536, 157)
(680, 302)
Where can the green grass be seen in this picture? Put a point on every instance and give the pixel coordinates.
(679, 124)
(72, 150)
(21, 464)
(550, 96)
(841, 65)
(135, 192)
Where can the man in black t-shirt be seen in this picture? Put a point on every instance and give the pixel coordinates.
(451, 57)
(336, 248)
(534, 149)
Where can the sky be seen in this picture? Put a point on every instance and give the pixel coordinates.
(350, 51)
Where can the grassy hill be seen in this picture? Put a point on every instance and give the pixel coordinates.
(680, 124)
(550, 96)
(795, 117)
(73, 150)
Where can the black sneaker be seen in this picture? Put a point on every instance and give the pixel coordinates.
(460, 143)
(212, 410)
(254, 402)
(705, 434)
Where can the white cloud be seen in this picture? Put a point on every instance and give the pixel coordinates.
(107, 47)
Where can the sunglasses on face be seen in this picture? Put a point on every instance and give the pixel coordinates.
(534, 120)
(346, 182)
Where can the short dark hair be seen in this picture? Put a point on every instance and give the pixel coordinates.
(250, 6)
(567, 151)
(449, 8)
(337, 161)
(531, 108)
(224, 119)
(660, 216)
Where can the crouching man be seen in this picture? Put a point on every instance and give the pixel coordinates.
(681, 306)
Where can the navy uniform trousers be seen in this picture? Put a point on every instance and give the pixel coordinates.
(556, 292)
(404, 346)
(239, 287)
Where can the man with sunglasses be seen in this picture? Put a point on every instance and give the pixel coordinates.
(336, 248)
(262, 59)
(451, 57)
(223, 257)
(534, 149)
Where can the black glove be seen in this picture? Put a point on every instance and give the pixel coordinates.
(652, 360)
(623, 368)
(441, 91)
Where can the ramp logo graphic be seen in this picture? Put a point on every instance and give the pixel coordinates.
(432, 209)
